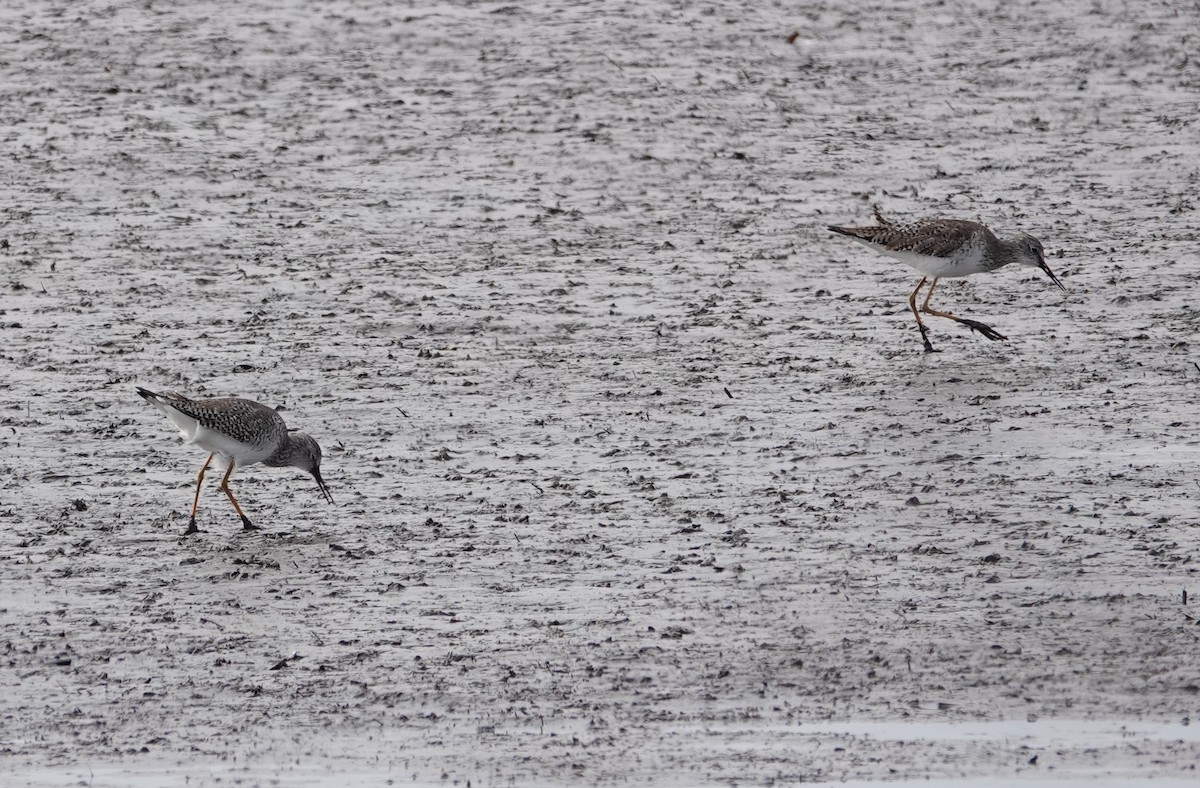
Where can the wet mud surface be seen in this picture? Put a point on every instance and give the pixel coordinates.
(640, 473)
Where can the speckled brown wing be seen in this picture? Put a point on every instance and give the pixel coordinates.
(241, 419)
(933, 237)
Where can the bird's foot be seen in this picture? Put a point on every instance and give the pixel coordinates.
(982, 328)
(191, 529)
(247, 525)
(925, 339)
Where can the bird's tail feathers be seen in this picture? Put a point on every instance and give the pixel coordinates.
(865, 233)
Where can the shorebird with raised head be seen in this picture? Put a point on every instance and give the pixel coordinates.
(237, 432)
(948, 248)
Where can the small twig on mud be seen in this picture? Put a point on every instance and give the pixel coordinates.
(539, 489)
(1197, 366)
(214, 623)
(610, 60)
(727, 394)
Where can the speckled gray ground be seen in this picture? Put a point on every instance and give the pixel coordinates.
(641, 476)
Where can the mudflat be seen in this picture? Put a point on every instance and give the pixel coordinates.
(641, 474)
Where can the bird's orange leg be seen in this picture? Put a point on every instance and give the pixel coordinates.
(912, 302)
(974, 325)
(929, 294)
(196, 498)
(246, 524)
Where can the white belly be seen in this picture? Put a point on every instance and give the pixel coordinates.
(968, 261)
(218, 443)
(941, 267)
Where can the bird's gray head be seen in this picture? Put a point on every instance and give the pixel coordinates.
(305, 454)
(1032, 254)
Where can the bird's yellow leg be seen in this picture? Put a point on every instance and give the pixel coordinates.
(928, 295)
(196, 498)
(912, 303)
(246, 524)
(974, 325)
(912, 299)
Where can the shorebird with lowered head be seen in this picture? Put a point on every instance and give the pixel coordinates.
(948, 248)
(237, 432)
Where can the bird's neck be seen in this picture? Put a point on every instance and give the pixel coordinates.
(290, 452)
(1006, 251)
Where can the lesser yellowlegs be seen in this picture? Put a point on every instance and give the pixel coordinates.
(237, 432)
(948, 248)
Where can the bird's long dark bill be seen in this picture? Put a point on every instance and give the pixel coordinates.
(1050, 274)
(321, 484)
